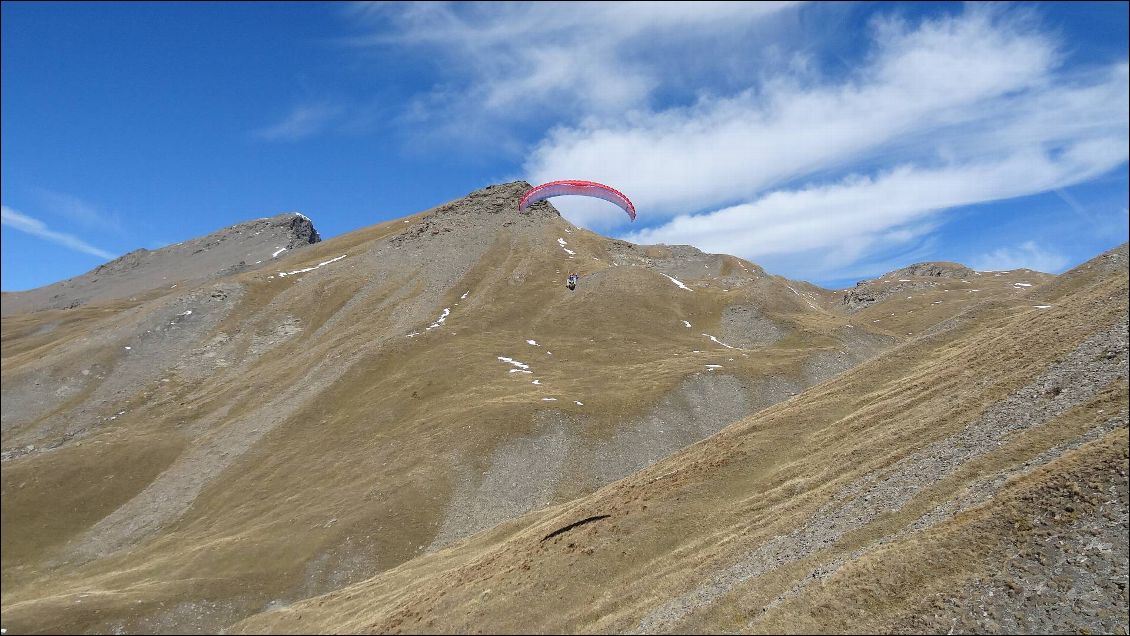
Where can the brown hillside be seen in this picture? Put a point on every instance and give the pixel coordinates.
(972, 480)
(274, 434)
(410, 408)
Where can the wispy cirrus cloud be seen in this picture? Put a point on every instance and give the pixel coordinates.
(304, 120)
(1028, 255)
(24, 223)
(498, 64)
(740, 128)
(952, 112)
(949, 91)
(79, 211)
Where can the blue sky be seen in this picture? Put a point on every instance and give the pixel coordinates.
(824, 141)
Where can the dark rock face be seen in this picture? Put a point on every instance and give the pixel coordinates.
(234, 249)
(303, 231)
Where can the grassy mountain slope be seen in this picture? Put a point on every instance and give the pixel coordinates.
(975, 478)
(185, 459)
(274, 434)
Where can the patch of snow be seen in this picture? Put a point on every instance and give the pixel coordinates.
(535, 381)
(1022, 284)
(514, 362)
(128, 348)
(569, 251)
(519, 371)
(310, 269)
(439, 321)
(278, 251)
(533, 342)
(578, 403)
(718, 341)
(302, 216)
(549, 399)
(464, 295)
(1042, 306)
(679, 283)
(713, 366)
(688, 325)
(904, 280)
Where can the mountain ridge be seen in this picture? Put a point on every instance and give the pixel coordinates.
(225, 252)
(379, 403)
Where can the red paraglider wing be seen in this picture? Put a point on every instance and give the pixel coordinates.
(582, 188)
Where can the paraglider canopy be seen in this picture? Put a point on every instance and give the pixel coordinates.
(582, 188)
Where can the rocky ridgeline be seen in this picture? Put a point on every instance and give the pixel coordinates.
(487, 209)
(915, 277)
(240, 247)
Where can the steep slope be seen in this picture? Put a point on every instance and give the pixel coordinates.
(228, 251)
(181, 459)
(974, 479)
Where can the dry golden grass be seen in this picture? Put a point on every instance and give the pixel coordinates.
(335, 456)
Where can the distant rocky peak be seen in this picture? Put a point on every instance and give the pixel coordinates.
(231, 250)
(936, 270)
(915, 277)
(300, 226)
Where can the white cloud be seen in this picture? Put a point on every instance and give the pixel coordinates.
(302, 121)
(35, 227)
(526, 60)
(827, 227)
(958, 87)
(958, 111)
(729, 132)
(1027, 255)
